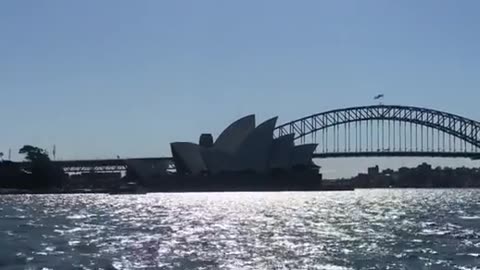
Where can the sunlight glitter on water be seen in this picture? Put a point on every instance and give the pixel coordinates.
(364, 229)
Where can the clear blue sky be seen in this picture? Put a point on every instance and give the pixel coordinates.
(107, 78)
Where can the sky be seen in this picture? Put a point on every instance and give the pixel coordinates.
(105, 78)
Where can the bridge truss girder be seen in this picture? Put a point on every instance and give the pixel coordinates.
(465, 129)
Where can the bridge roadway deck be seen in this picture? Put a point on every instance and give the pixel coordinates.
(104, 162)
(470, 155)
(108, 164)
(122, 162)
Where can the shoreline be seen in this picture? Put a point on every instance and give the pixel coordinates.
(148, 191)
(177, 190)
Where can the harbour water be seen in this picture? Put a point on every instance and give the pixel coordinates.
(362, 229)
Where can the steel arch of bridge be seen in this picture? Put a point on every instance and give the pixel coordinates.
(464, 129)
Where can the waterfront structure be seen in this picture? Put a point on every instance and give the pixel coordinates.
(243, 147)
(387, 131)
(365, 131)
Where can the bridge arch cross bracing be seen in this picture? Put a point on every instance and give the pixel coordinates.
(464, 129)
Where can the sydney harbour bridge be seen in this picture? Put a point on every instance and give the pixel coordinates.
(387, 130)
(366, 131)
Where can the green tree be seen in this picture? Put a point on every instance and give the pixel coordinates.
(33, 153)
(44, 172)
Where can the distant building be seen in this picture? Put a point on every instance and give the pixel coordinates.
(242, 147)
(146, 169)
(373, 171)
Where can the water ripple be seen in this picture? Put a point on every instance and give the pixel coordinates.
(365, 229)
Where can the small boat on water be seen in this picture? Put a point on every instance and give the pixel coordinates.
(128, 188)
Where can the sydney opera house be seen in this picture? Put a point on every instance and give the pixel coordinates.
(244, 148)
